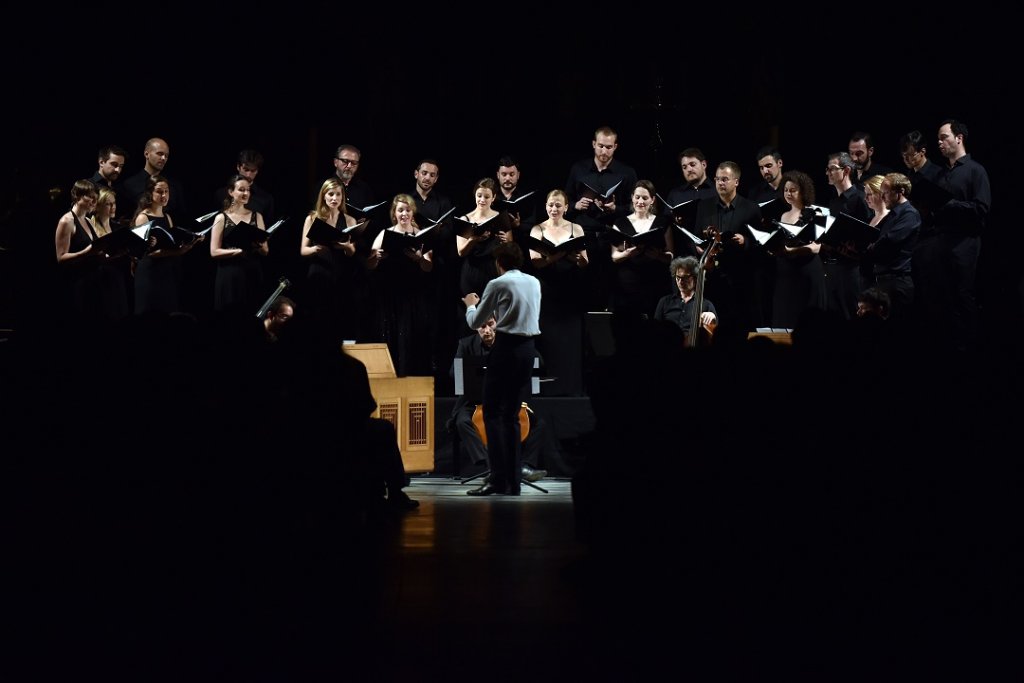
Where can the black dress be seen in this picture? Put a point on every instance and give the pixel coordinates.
(478, 267)
(562, 306)
(97, 288)
(799, 284)
(158, 280)
(238, 284)
(332, 287)
(639, 281)
(404, 313)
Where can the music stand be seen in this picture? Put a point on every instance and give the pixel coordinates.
(600, 334)
(469, 382)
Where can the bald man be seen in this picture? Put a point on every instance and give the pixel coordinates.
(155, 154)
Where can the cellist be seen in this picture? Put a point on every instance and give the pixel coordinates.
(681, 307)
(471, 434)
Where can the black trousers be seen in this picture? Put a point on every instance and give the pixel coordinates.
(473, 446)
(506, 381)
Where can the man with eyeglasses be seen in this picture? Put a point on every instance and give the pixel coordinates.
(733, 273)
(843, 281)
(926, 267)
(915, 156)
(678, 307)
(346, 164)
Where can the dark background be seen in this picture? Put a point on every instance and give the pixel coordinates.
(296, 82)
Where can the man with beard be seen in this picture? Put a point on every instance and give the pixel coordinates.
(522, 209)
(111, 163)
(597, 175)
(769, 165)
(696, 183)
(678, 307)
(448, 326)
(594, 208)
(731, 282)
(862, 151)
(358, 192)
(696, 187)
(249, 164)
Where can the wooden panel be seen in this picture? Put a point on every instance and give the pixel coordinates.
(376, 358)
(405, 402)
(408, 404)
(777, 337)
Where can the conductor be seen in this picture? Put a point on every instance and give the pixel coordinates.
(513, 299)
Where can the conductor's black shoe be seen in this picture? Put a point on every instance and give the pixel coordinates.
(486, 490)
(532, 475)
(402, 501)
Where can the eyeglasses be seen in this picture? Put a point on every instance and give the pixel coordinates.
(347, 162)
(684, 276)
(833, 169)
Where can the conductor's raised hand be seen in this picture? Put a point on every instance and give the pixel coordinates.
(471, 299)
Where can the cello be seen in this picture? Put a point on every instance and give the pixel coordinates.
(524, 422)
(698, 335)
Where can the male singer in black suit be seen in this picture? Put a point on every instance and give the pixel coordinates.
(601, 172)
(346, 163)
(842, 269)
(730, 282)
(524, 212)
(862, 152)
(960, 224)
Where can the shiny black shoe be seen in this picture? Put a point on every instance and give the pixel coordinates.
(531, 475)
(486, 490)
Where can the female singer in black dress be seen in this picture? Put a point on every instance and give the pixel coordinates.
(639, 271)
(334, 269)
(77, 260)
(159, 275)
(799, 272)
(563, 299)
(115, 274)
(404, 305)
(238, 285)
(476, 251)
